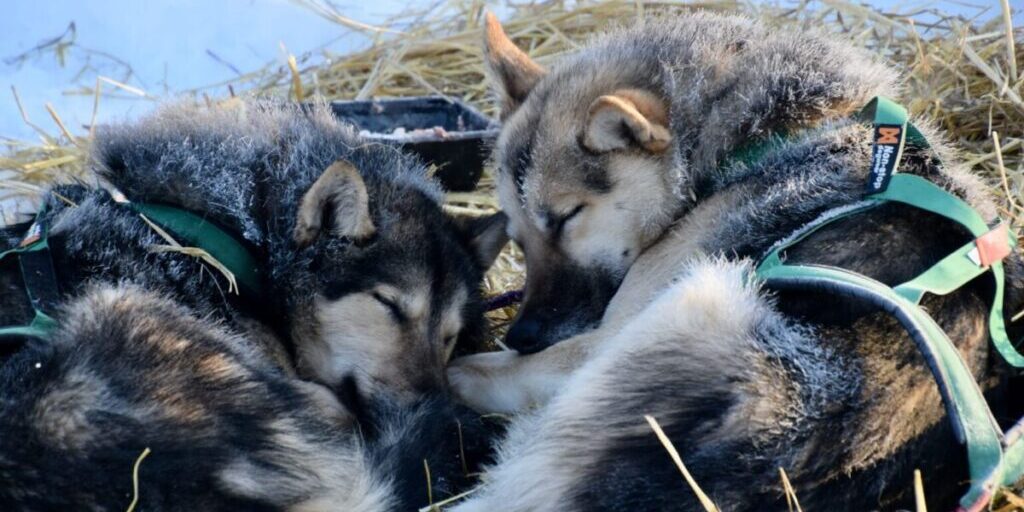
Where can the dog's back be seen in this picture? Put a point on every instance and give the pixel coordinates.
(123, 375)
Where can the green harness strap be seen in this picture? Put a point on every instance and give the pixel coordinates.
(197, 231)
(994, 459)
(35, 241)
(189, 227)
(972, 422)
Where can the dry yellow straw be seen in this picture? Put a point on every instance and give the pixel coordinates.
(125, 87)
(1002, 173)
(1011, 53)
(329, 13)
(197, 252)
(709, 506)
(919, 492)
(435, 507)
(791, 500)
(135, 480)
(24, 115)
(49, 162)
(296, 78)
(60, 123)
(430, 490)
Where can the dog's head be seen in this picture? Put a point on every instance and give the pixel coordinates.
(583, 174)
(396, 284)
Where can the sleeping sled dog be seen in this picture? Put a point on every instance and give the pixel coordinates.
(366, 286)
(619, 174)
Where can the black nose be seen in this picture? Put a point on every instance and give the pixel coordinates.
(524, 336)
(348, 393)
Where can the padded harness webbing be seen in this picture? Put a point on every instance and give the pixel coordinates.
(994, 459)
(40, 279)
(197, 231)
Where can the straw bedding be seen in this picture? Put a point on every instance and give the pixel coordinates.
(965, 75)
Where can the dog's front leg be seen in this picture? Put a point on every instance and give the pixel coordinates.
(506, 382)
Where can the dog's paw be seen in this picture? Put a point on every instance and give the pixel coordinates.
(489, 382)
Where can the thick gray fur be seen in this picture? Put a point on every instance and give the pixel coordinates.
(152, 351)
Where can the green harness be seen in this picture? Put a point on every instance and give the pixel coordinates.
(995, 458)
(40, 279)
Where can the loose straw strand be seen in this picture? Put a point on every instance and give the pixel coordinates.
(135, 479)
(791, 500)
(709, 506)
(919, 492)
(430, 486)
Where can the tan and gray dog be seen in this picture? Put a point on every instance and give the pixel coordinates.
(366, 286)
(619, 174)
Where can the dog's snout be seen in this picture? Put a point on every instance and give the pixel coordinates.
(525, 336)
(565, 301)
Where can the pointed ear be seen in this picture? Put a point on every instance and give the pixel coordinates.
(485, 236)
(511, 72)
(626, 118)
(337, 199)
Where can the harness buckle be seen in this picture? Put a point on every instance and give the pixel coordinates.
(991, 247)
(34, 234)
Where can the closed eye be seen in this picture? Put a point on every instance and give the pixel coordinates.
(392, 306)
(449, 347)
(562, 220)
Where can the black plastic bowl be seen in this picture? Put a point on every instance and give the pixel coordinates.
(443, 131)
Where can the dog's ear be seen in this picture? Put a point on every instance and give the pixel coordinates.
(338, 199)
(485, 236)
(511, 72)
(625, 118)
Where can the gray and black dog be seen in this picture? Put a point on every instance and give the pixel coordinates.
(367, 285)
(618, 172)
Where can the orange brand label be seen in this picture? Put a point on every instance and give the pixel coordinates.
(888, 135)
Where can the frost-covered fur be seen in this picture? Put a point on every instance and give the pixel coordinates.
(259, 160)
(739, 350)
(242, 162)
(743, 381)
(712, 84)
(153, 351)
